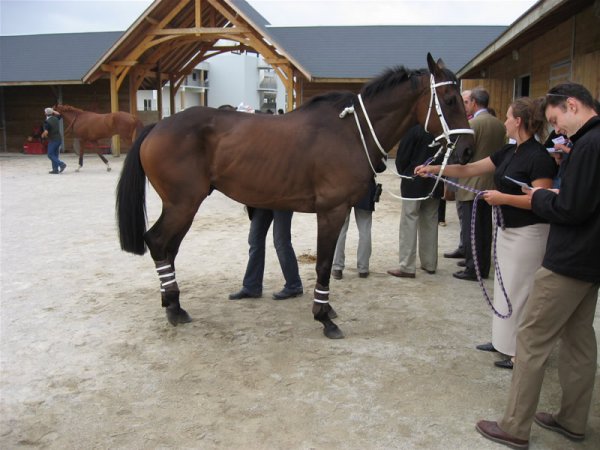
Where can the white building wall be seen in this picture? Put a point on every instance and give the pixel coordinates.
(232, 79)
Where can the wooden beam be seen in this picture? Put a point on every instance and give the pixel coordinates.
(198, 13)
(172, 92)
(200, 30)
(114, 107)
(159, 91)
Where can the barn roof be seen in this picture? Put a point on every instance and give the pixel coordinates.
(51, 58)
(173, 36)
(362, 52)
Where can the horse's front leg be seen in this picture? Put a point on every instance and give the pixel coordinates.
(329, 226)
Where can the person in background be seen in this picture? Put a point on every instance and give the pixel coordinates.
(363, 214)
(418, 218)
(260, 222)
(52, 133)
(490, 136)
(522, 242)
(442, 213)
(450, 194)
(562, 303)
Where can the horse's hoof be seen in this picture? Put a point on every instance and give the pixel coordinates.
(177, 316)
(108, 169)
(77, 170)
(332, 314)
(332, 331)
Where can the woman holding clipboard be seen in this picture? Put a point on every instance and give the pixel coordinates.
(522, 243)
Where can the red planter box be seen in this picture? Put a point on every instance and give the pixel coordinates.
(34, 148)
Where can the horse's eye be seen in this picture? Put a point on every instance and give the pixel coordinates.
(451, 101)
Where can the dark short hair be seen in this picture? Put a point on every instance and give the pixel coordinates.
(481, 97)
(558, 95)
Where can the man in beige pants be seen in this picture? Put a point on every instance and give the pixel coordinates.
(562, 304)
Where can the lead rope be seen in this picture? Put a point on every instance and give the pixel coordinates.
(498, 220)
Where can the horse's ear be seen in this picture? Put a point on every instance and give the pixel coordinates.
(441, 64)
(433, 67)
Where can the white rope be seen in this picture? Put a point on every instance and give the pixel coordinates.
(362, 105)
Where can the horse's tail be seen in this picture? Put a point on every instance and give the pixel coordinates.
(131, 199)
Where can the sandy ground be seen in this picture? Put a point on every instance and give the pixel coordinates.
(88, 360)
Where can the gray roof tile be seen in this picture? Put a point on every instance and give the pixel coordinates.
(52, 57)
(365, 51)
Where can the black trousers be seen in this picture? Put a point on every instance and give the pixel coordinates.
(483, 236)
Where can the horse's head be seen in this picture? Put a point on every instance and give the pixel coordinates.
(442, 111)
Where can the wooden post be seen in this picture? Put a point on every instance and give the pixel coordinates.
(172, 92)
(114, 107)
(159, 91)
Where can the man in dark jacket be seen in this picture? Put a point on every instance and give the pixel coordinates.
(419, 215)
(52, 132)
(563, 301)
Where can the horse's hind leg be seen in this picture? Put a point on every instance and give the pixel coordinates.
(163, 240)
(329, 226)
(104, 160)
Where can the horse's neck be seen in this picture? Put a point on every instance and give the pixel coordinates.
(392, 115)
(69, 116)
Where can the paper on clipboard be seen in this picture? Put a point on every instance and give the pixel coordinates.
(520, 183)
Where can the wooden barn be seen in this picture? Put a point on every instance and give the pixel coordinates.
(102, 72)
(553, 42)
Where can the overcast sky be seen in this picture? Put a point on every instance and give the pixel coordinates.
(70, 16)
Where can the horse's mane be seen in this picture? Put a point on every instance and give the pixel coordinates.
(69, 108)
(391, 78)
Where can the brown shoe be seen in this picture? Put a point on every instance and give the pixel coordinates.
(545, 420)
(400, 274)
(492, 431)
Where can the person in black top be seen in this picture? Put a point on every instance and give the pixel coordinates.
(522, 242)
(563, 300)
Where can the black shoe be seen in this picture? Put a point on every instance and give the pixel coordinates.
(284, 294)
(243, 294)
(337, 274)
(430, 272)
(363, 274)
(62, 168)
(464, 275)
(455, 254)
(488, 347)
(54, 172)
(461, 263)
(504, 363)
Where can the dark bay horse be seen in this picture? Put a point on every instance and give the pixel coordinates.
(89, 127)
(315, 159)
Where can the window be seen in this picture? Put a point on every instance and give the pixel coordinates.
(522, 86)
(147, 104)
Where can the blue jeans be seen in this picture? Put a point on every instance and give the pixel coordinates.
(282, 239)
(53, 151)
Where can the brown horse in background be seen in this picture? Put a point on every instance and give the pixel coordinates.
(90, 127)
(318, 158)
